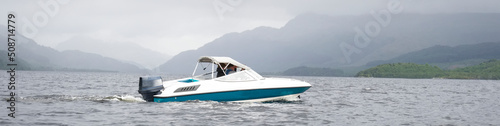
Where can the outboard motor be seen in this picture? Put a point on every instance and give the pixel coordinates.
(149, 86)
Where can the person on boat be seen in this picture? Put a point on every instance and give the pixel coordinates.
(220, 71)
(231, 69)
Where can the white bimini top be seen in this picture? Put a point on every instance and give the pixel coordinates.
(245, 75)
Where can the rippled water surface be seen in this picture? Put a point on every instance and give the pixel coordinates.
(87, 98)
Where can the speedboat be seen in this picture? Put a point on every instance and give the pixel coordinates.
(225, 80)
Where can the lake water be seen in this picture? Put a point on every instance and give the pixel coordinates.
(88, 98)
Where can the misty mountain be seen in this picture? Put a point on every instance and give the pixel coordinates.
(446, 54)
(125, 52)
(31, 56)
(321, 41)
(21, 64)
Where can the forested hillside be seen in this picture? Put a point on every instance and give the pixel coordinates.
(402, 70)
(486, 70)
(445, 54)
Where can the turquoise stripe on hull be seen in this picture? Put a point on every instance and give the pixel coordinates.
(236, 95)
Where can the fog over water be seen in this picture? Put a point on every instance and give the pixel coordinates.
(169, 26)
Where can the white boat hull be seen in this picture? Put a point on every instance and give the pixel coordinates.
(251, 91)
(224, 80)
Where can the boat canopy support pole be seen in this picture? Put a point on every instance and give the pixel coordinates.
(196, 67)
(213, 70)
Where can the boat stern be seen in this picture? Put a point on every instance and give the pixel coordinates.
(150, 86)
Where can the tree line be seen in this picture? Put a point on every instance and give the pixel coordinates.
(486, 70)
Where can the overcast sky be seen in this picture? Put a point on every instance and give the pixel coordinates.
(170, 26)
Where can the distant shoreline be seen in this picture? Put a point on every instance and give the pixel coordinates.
(489, 70)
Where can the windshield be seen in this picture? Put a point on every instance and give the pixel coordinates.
(204, 71)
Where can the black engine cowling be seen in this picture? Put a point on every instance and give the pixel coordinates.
(150, 86)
